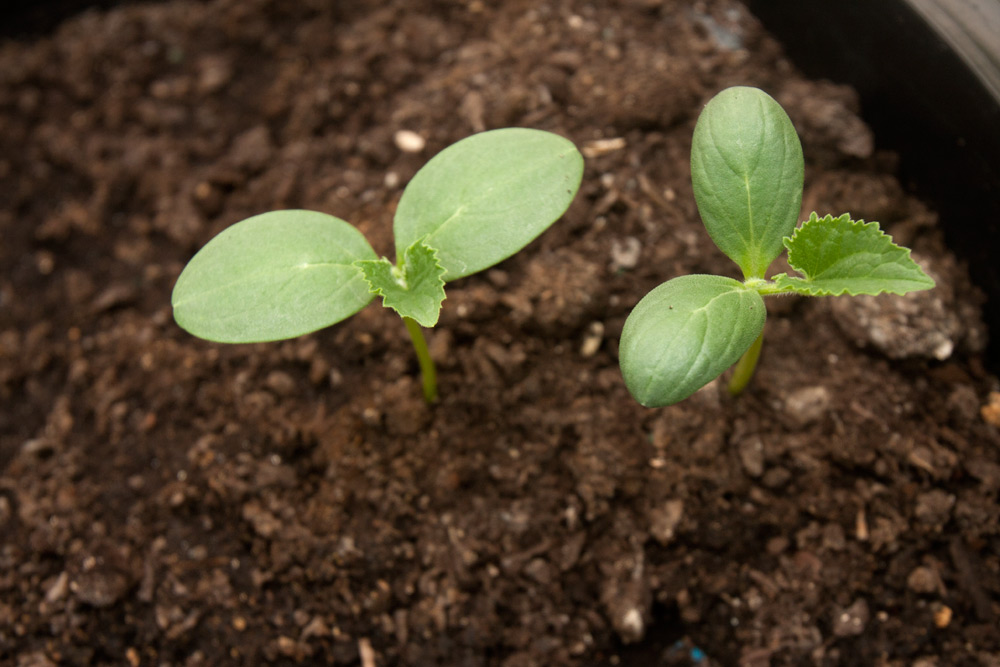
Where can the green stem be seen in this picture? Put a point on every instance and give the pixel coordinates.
(744, 368)
(427, 369)
(765, 287)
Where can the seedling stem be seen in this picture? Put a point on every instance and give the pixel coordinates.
(428, 372)
(744, 368)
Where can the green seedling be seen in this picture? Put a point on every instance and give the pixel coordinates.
(287, 273)
(747, 173)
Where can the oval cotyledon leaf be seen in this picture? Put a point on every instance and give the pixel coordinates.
(273, 276)
(484, 198)
(747, 172)
(684, 334)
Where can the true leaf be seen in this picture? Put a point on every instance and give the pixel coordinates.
(747, 172)
(684, 334)
(482, 199)
(415, 289)
(273, 276)
(844, 256)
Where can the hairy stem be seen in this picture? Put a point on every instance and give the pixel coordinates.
(744, 368)
(427, 369)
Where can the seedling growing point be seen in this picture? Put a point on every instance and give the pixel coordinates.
(747, 172)
(283, 274)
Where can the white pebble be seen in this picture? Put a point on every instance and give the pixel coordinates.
(409, 141)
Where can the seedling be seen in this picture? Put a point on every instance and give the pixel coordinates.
(283, 274)
(747, 173)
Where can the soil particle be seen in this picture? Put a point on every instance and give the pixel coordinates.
(925, 580)
(807, 405)
(663, 520)
(934, 507)
(851, 621)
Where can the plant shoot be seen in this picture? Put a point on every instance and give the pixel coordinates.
(747, 173)
(283, 274)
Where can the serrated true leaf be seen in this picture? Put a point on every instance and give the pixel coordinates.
(485, 197)
(747, 171)
(684, 334)
(415, 289)
(273, 276)
(844, 256)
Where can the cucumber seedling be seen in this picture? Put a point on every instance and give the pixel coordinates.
(283, 274)
(747, 173)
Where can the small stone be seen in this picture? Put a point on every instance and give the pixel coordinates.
(632, 625)
(45, 261)
(777, 545)
(663, 520)
(923, 580)
(625, 253)
(371, 416)
(930, 323)
(99, 587)
(409, 141)
(626, 601)
(281, 383)
(751, 451)
(934, 507)
(539, 570)
(851, 621)
(592, 340)
(807, 405)
(287, 645)
(214, 73)
(942, 616)
(991, 411)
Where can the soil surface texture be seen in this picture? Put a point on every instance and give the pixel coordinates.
(168, 501)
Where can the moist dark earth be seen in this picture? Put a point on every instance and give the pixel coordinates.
(168, 501)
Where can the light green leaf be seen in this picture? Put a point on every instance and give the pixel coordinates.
(684, 334)
(747, 170)
(415, 289)
(843, 256)
(273, 276)
(482, 199)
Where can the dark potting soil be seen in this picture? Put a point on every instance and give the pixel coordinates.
(167, 501)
